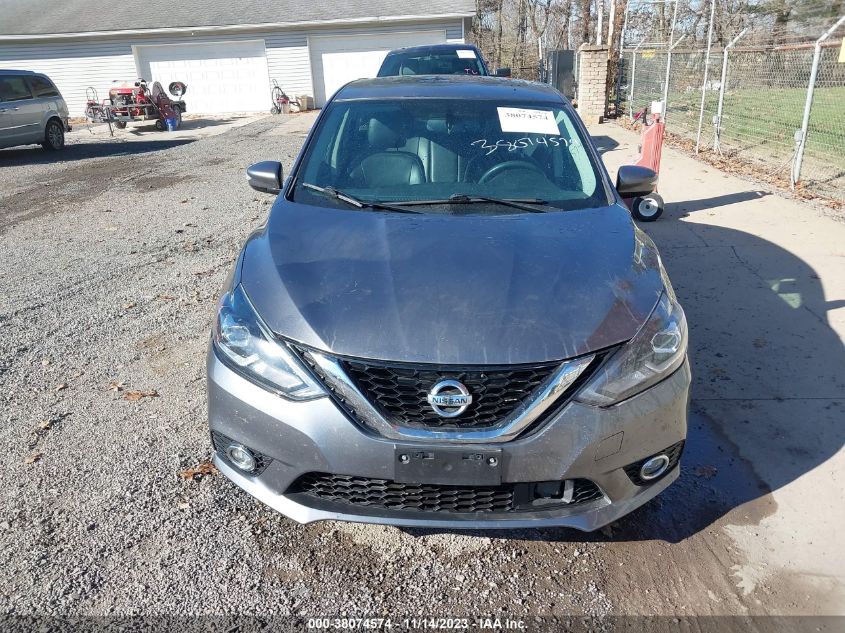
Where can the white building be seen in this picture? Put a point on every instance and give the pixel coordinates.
(226, 51)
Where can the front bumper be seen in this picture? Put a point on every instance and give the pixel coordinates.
(579, 442)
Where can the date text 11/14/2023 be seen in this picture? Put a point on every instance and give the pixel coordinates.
(417, 624)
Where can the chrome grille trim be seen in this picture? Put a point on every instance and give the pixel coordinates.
(507, 429)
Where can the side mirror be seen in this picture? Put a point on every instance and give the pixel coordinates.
(633, 181)
(503, 72)
(265, 176)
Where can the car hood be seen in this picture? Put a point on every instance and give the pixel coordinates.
(450, 289)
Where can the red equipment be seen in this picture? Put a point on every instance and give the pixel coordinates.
(649, 207)
(136, 101)
(281, 102)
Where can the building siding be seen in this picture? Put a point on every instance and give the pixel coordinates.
(75, 65)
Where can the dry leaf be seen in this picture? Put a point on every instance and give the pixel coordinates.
(199, 471)
(165, 297)
(45, 424)
(61, 387)
(129, 305)
(115, 385)
(135, 395)
(705, 470)
(45, 362)
(32, 457)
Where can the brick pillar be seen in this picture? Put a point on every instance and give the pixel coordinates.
(592, 82)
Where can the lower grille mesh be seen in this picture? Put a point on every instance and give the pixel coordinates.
(385, 494)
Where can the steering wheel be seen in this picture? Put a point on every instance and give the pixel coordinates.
(508, 165)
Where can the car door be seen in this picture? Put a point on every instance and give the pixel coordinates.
(20, 114)
(47, 98)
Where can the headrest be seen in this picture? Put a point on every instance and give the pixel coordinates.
(438, 126)
(409, 67)
(379, 136)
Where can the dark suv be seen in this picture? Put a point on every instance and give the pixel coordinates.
(437, 59)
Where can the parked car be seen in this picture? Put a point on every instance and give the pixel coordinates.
(436, 59)
(32, 110)
(449, 319)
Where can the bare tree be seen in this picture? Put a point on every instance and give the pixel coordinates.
(585, 21)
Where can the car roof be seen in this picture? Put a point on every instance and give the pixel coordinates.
(432, 48)
(448, 87)
(10, 71)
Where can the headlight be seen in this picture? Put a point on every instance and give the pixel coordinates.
(242, 339)
(656, 351)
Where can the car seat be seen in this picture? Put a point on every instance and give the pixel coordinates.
(387, 165)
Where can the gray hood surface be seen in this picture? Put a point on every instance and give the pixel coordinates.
(452, 289)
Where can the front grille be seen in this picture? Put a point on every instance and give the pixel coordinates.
(220, 443)
(673, 453)
(317, 489)
(400, 391)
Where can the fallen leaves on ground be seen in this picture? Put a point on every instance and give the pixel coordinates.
(166, 297)
(61, 387)
(136, 394)
(115, 385)
(32, 457)
(705, 470)
(204, 469)
(128, 305)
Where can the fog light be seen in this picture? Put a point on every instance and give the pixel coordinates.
(241, 457)
(654, 467)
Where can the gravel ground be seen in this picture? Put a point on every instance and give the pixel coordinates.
(110, 261)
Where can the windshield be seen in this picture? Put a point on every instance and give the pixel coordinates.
(462, 61)
(430, 150)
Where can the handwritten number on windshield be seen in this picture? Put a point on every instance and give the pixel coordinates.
(521, 143)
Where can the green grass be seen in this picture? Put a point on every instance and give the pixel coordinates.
(763, 121)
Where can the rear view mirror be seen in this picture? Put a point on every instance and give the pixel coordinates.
(503, 72)
(265, 176)
(633, 181)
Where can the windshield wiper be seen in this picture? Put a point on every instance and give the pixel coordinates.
(462, 198)
(331, 192)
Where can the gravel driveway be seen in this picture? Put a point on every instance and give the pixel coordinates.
(110, 261)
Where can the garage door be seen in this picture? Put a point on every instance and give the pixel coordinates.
(338, 59)
(221, 76)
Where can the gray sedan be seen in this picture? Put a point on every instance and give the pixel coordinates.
(449, 319)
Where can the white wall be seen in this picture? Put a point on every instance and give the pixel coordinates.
(75, 65)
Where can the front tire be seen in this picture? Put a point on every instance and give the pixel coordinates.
(647, 208)
(54, 136)
(120, 125)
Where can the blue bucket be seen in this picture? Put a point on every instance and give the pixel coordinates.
(171, 123)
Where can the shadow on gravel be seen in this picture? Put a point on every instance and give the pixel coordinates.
(768, 396)
(35, 155)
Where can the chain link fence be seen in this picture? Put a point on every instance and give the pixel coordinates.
(763, 93)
